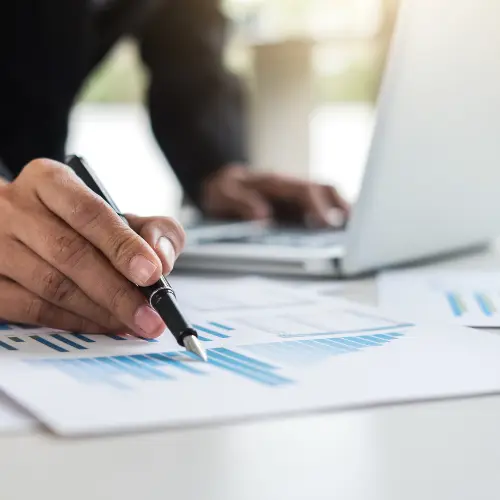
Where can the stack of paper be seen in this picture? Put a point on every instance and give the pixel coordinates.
(270, 353)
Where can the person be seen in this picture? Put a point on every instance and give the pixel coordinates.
(66, 260)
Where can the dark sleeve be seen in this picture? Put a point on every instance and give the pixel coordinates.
(195, 105)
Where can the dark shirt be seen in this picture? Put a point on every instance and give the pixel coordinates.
(49, 47)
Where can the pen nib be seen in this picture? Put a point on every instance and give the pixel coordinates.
(192, 344)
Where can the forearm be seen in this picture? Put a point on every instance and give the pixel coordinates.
(196, 106)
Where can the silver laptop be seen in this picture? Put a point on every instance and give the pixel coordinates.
(432, 181)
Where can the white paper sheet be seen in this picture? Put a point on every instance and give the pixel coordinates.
(13, 418)
(291, 358)
(466, 298)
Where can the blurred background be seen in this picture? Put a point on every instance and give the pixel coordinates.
(312, 69)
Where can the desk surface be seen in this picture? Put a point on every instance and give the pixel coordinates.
(441, 450)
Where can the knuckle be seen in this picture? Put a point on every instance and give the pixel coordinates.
(87, 213)
(312, 190)
(50, 169)
(108, 320)
(70, 250)
(38, 166)
(117, 298)
(122, 247)
(37, 311)
(56, 287)
(333, 190)
(87, 326)
(176, 229)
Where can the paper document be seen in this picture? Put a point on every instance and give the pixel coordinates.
(209, 294)
(466, 298)
(13, 418)
(328, 354)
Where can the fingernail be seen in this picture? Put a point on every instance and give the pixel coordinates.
(141, 269)
(149, 322)
(336, 218)
(167, 249)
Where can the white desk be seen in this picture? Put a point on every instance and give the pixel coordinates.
(441, 450)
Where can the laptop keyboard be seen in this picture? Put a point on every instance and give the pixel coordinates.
(300, 238)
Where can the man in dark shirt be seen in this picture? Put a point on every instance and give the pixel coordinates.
(64, 256)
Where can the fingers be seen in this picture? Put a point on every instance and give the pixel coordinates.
(45, 281)
(337, 200)
(247, 205)
(239, 202)
(315, 201)
(164, 234)
(312, 202)
(75, 257)
(19, 305)
(64, 194)
(315, 205)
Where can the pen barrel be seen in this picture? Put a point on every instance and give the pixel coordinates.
(164, 302)
(160, 295)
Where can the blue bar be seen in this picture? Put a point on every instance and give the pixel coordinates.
(373, 340)
(129, 367)
(383, 336)
(245, 359)
(167, 359)
(117, 366)
(337, 345)
(82, 337)
(334, 349)
(211, 332)
(114, 337)
(93, 369)
(69, 367)
(242, 370)
(5, 326)
(315, 352)
(345, 332)
(146, 339)
(129, 360)
(242, 366)
(16, 339)
(108, 371)
(96, 365)
(148, 360)
(7, 346)
(220, 325)
(48, 343)
(293, 351)
(69, 342)
(204, 339)
(353, 346)
(360, 341)
(485, 307)
(454, 304)
(278, 350)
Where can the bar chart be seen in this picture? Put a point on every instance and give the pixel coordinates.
(259, 363)
(212, 330)
(468, 298)
(61, 342)
(477, 302)
(29, 339)
(304, 352)
(314, 323)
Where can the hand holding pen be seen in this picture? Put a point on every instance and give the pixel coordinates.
(69, 262)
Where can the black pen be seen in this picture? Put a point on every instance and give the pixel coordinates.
(160, 296)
